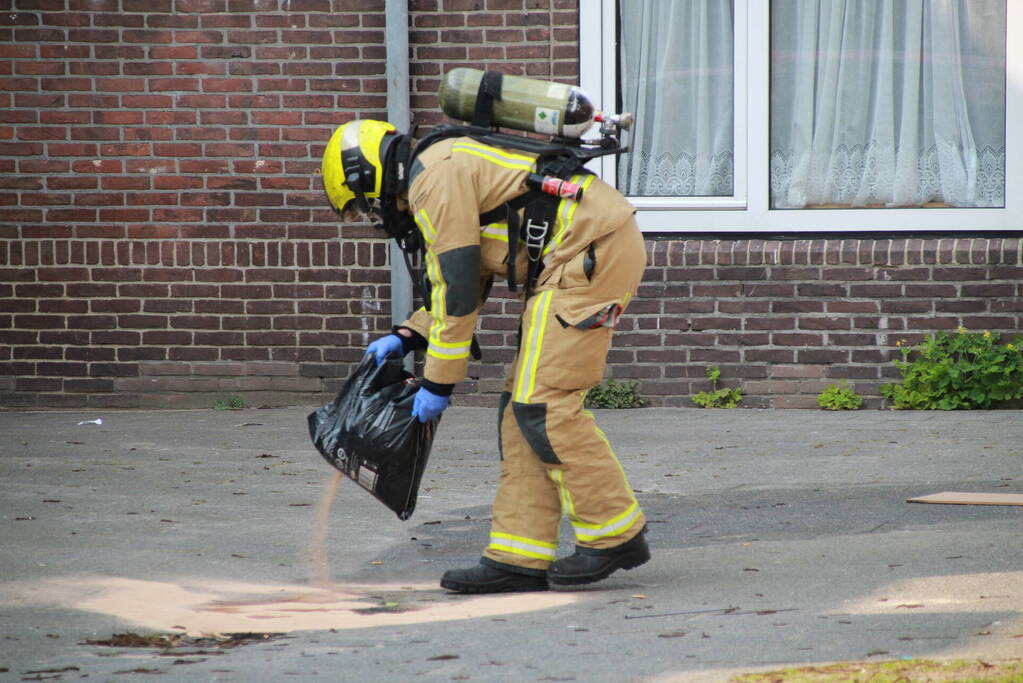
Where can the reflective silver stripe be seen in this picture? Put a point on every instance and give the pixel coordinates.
(449, 350)
(527, 547)
(495, 231)
(496, 156)
(591, 532)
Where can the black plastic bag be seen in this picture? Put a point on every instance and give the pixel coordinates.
(368, 433)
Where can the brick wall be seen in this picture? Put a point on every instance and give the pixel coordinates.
(164, 240)
(785, 319)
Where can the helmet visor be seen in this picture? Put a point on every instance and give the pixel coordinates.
(354, 213)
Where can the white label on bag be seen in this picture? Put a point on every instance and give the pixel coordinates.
(367, 478)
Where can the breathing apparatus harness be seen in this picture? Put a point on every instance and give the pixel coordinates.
(557, 160)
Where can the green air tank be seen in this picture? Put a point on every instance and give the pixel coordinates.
(525, 104)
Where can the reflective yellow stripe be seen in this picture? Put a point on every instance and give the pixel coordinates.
(558, 477)
(426, 226)
(495, 231)
(526, 547)
(437, 298)
(449, 350)
(438, 311)
(530, 357)
(603, 437)
(451, 345)
(585, 531)
(437, 347)
(504, 159)
(591, 532)
(566, 214)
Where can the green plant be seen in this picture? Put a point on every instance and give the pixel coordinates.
(230, 403)
(839, 397)
(717, 398)
(612, 394)
(961, 371)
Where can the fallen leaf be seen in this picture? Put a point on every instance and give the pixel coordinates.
(639, 596)
(439, 658)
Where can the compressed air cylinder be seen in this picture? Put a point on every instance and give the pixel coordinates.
(525, 103)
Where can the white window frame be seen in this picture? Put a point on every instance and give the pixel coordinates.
(748, 210)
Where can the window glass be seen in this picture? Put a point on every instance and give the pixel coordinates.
(887, 103)
(676, 75)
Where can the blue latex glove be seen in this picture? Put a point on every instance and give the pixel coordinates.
(384, 347)
(427, 405)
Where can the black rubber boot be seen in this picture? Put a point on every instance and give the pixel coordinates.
(487, 578)
(587, 565)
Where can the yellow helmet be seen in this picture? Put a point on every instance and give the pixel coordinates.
(353, 163)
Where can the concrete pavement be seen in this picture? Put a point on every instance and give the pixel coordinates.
(779, 537)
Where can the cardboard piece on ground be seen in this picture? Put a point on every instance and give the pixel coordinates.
(965, 498)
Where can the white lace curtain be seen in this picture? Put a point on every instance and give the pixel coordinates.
(887, 102)
(873, 102)
(676, 60)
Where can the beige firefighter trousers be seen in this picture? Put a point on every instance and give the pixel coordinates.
(554, 459)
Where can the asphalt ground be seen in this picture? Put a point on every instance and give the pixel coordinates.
(779, 537)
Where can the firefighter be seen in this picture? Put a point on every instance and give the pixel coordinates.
(554, 459)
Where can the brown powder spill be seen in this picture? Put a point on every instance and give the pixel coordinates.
(319, 565)
(204, 607)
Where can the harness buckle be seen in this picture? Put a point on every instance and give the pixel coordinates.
(536, 238)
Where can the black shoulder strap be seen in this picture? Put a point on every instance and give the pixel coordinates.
(498, 214)
(514, 229)
(489, 91)
(540, 212)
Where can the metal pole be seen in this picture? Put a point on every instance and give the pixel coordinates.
(398, 114)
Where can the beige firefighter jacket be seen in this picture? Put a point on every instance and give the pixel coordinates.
(460, 179)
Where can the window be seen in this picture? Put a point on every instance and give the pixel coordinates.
(812, 115)
(675, 73)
